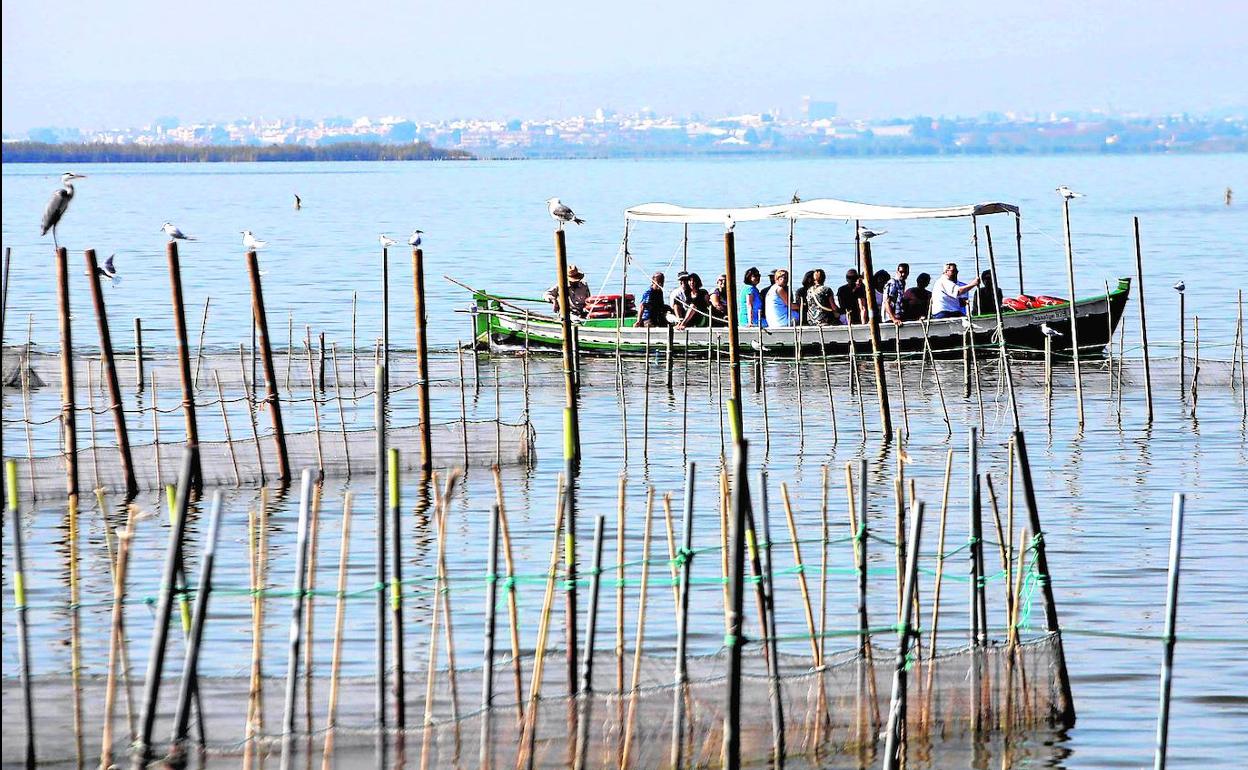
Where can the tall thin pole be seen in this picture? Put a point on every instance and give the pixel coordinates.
(379, 651)
(1172, 608)
(571, 432)
(422, 358)
(396, 592)
(69, 418)
(272, 400)
(736, 594)
(19, 606)
(1074, 323)
(296, 619)
(587, 657)
(877, 355)
(734, 353)
(184, 356)
(684, 559)
(1018, 241)
(385, 315)
(1182, 346)
(110, 375)
(138, 354)
(897, 709)
(1005, 354)
(487, 661)
(1139, 293)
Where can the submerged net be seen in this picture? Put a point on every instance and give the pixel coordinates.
(837, 709)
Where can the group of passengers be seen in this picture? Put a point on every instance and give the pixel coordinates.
(814, 303)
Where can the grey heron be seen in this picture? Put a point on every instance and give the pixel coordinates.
(415, 240)
(175, 233)
(251, 242)
(58, 205)
(561, 213)
(386, 241)
(1068, 193)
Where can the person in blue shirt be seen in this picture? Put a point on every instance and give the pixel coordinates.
(751, 311)
(653, 310)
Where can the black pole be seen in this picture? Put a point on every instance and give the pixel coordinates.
(379, 417)
(296, 619)
(396, 593)
(894, 739)
(587, 656)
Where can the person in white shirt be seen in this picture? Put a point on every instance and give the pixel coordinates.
(949, 294)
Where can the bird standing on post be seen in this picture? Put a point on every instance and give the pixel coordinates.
(1049, 331)
(1068, 193)
(1180, 287)
(561, 213)
(251, 242)
(58, 205)
(415, 240)
(867, 234)
(174, 232)
(386, 241)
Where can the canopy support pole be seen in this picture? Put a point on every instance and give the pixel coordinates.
(1018, 240)
(624, 283)
(978, 272)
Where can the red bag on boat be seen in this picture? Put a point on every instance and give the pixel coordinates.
(1047, 301)
(1021, 302)
(607, 306)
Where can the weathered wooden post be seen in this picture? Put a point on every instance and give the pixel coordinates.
(138, 355)
(1172, 608)
(19, 607)
(1139, 293)
(487, 645)
(1018, 242)
(571, 419)
(184, 359)
(734, 353)
(270, 375)
(1005, 354)
(736, 594)
(898, 702)
(877, 355)
(379, 650)
(296, 620)
(69, 412)
(1074, 322)
(1182, 343)
(422, 358)
(110, 375)
(396, 590)
(586, 690)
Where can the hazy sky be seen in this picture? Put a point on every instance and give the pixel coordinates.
(92, 64)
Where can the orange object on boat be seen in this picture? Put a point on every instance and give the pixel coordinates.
(1021, 302)
(1047, 301)
(608, 306)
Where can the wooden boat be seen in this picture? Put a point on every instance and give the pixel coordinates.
(505, 321)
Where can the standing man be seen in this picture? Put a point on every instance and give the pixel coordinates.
(751, 311)
(653, 309)
(851, 298)
(894, 294)
(949, 294)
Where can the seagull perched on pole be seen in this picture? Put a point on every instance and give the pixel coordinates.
(866, 233)
(1180, 287)
(58, 205)
(729, 223)
(561, 213)
(1068, 193)
(251, 242)
(174, 232)
(386, 241)
(1049, 331)
(415, 240)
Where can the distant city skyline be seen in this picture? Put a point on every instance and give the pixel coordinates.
(107, 66)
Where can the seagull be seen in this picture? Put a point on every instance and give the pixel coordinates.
(867, 234)
(795, 199)
(251, 242)
(58, 205)
(175, 233)
(386, 241)
(561, 213)
(1049, 331)
(1180, 287)
(298, 202)
(109, 270)
(415, 240)
(1068, 193)
(729, 223)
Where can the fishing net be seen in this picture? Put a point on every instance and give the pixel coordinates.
(829, 711)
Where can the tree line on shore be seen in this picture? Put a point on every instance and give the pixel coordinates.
(38, 152)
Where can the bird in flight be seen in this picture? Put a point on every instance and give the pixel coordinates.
(561, 213)
(174, 232)
(251, 242)
(1068, 193)
(415, 240)
(1049, 331)
(1180, 287)
(386, 241)
(866, 233)
(58, 205)
(298, 202)
(109, 270)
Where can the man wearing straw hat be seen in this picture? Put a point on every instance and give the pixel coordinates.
(578, 292)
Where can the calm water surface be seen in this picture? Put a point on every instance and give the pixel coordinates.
(1104, 493)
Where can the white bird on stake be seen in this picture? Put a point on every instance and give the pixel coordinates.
(1068, 193)
(174, 232)
(58, 205)
(729, 223)
(386, 241)
(1180, 287)
(251, 242)
(1049, 331)
(561, 213)
(415, 240)
(866, 233)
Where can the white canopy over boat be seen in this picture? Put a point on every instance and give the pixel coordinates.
(820, 208)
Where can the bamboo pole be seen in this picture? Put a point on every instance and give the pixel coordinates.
(587, 657)
(164, 609)
(827, 381)
(19, 607)
(639, 636)
(121, 435)
(340, 612)
(1142, 303)
(117, 639)
(422, 357)
(354, 351)
(733, 639)
(645, 416)
(225, 420)
(379, 601)
(316, 408)
(877, 356)
(69, 418)
(248, 394)
(296, 619)
(487, 643)
(1196, 365)
(445, 591)
(619, 601)
(571, 419)
(1074, 326)
(181, 720)
(896, 730)
(342, 417)
(762, 386)
(184, 361)
(513, 620)
(815, 657)
(272, 400)
(1172, 609)
(736, 418)
(940, 571)
(1005, 356)
(683, 560)
(767, 596)
(396, 591)
(199, 349)
(1182, 346)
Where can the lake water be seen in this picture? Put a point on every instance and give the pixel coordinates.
(1104, 493)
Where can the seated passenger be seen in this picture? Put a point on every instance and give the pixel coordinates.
(894, 291)
(681, 298)
(699, 308)
(578, 293)
(851, 298)
(653, 309)
(719, 302)
(751, 311)
(988, 297)
(780, 309)
(949, 294)
(808, 280)
(821, 307)
(917, 301)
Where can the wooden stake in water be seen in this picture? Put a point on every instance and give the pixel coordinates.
(587, 658)
(639, 636)
(396, 591)
(225, 421)
(940, 571)
(109, 373)
(199, 349)
(1182, 345)
(895, 732)
(272, 401)
(248, 396)
(379, 649)
(1005, 356)
(1172, 609)
(340, 611)
(296, 619)
(684, 560)
(1142, 303)
(1196, 365)
(184, 360)
(487, 644)
(1074, 325)
(513, 620)
(736, 590)
(69, 412)
(19, 607)
(117, 641)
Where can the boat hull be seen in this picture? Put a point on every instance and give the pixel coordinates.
(1097, 318)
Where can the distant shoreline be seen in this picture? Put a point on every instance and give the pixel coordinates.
(38, 152)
